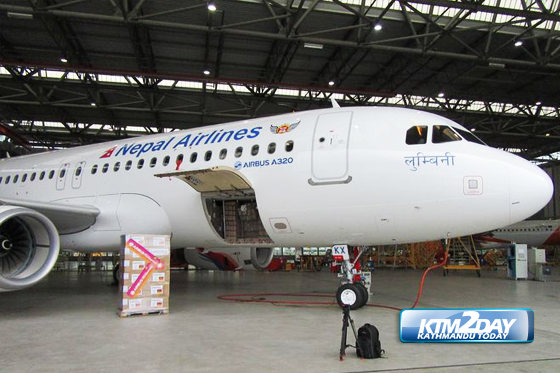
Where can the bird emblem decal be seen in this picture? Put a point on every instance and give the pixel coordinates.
(284, 128)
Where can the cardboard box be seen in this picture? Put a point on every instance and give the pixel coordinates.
(154, 294)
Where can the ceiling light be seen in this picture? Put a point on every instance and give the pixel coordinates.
(206, 71)
(378, 27)
(63, 60)
(313, 45)
(92, 103)
(212, 7)
(331, 83)
(473, 129)
(518, 43)
(497, 65)
(20, 15)
(548, 134)
(538, 103)
(441, 94)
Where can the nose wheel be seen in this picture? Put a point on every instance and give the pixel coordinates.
(351, 295)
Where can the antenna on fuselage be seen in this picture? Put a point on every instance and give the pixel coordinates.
(334, 103)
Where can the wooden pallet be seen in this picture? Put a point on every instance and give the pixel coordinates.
(141, 313)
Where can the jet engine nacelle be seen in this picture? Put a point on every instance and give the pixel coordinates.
(261, 257)
(29, 247)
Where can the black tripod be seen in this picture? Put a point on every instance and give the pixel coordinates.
(346, 319)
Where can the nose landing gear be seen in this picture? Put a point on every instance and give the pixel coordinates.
(352, 293)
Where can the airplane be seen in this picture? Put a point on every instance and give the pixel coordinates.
(357, 176)
(530, 232)
(222, 259)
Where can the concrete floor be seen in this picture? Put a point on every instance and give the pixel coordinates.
(68, 323)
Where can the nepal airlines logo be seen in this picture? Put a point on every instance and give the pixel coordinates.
(108, 153)
(190, 140)
(484, 325)
(284, 128)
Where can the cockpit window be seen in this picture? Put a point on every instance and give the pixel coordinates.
(444, 134)
(469, 136)
(417, 135)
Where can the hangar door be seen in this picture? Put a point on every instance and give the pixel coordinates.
(330, 147)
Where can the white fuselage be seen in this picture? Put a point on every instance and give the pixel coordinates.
(350, 178)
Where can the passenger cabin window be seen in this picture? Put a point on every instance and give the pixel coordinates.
(93, 170)
(51, 174)
(271, 148)
(1, 179)
(78, 171)
(179, 159)
(33, 175)
(469, 136)
(208, 155)
(194, 156)
(105, 167)
(238, 152)
(289, 146)
(8, 179)
(223, 153)
(255, 150)
(117, 166)
(140, 164)
(16, 178)
(42, 176)
(417, 135)
(153, 162)
(166, 160)
(24, 178)
(441, 134)
(128, 165)
(62, 173)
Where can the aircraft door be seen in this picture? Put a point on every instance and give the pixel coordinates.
(329, 158)
(61, 177)
(77, 176)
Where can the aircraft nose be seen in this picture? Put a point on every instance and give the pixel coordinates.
(530, 190)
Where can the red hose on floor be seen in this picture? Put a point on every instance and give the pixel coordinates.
(254, 297)
(250, 298)
(419, 295)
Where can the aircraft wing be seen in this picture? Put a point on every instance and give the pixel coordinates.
(68, 218)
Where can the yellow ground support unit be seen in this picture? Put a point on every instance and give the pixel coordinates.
(462, 255)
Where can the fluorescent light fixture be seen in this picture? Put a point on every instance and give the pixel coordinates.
(313, 45)
(331, 83)
(63, 60)
(441, 94)
(20, 15)
(473, 129)
(212, 7)
(378, 27)
(497, 65)
(518, 43)
(206, 71)
(548, 134)
(92, 103)
(538, 103)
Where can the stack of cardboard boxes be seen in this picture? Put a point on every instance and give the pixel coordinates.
(152, 296)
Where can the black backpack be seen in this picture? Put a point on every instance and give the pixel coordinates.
(368, 344)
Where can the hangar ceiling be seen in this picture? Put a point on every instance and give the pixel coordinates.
(81, 71)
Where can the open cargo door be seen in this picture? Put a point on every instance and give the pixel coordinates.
(229, 201)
